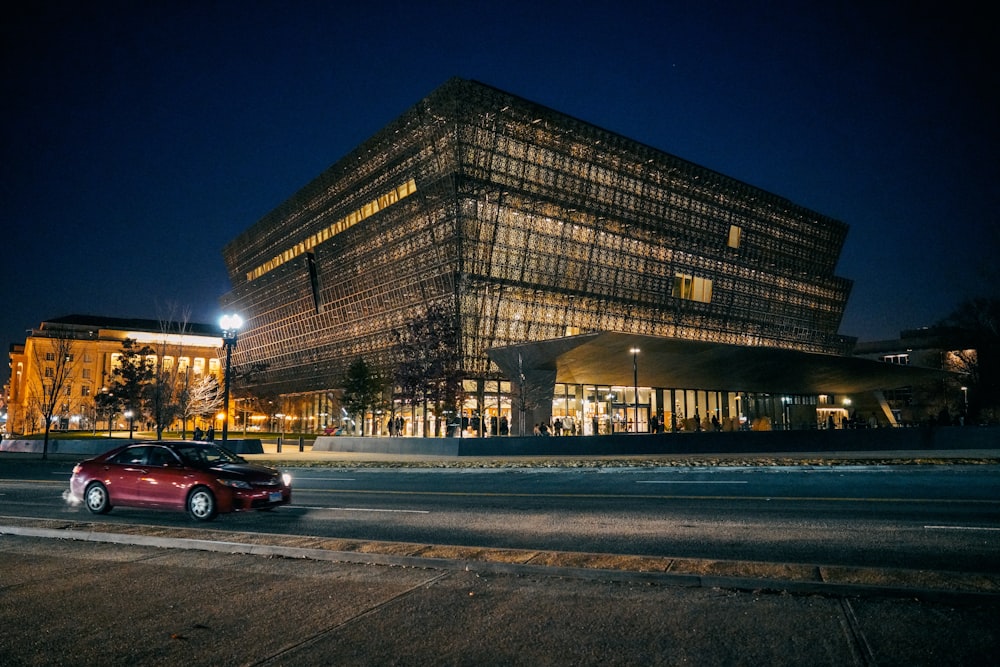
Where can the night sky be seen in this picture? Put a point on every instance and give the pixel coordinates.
(140, 137)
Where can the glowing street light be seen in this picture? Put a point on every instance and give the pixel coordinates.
(230, 325)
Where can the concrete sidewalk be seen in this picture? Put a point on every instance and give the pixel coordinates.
(96, 603)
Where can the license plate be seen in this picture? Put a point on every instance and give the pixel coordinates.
(275, 497)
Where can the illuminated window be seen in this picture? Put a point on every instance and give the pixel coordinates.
(692, 288)
(901, 359)
(199, 366)
(734, 236)
(168, 363)
(182, 364)
(214, 366)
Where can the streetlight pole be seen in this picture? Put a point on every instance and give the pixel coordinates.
(635, 386)
(230, 325)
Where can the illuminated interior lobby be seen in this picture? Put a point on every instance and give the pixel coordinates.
(555, 248)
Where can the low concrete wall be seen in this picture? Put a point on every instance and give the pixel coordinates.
(94, 446)
(944, 438)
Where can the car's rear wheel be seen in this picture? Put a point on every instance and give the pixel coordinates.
(201, 504)
(97, 499)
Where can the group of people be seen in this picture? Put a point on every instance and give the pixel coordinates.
(396, 426)
(208, 435)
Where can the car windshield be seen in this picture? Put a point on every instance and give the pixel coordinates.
(207, 455)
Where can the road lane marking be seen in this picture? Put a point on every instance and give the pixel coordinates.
(986, 528)
(631, 496)
(686, 481)
(365, 509)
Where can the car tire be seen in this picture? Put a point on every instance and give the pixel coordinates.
(96, 498)
(201, 504)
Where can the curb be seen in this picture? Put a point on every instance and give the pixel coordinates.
(693, 573)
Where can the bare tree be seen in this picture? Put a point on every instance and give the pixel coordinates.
(203, 397)
(56, 364)
(428, 368)
(164, 394)
(977, 325)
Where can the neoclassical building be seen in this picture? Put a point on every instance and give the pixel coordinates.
(550, 243)
(90, 347)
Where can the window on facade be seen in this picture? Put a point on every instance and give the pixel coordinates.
(199, 366)
(734, 236)
(86, 373)
(50, 356)
(168, 363)
(49, 372)
(693, 288)
(214, 366)
(901, 359)
(85, 390)
(182, 364)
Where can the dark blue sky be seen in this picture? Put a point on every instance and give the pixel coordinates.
(139, 138)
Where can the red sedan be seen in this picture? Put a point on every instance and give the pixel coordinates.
(200, 478)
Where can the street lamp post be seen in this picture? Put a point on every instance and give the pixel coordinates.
(635, 386)
(230, 325)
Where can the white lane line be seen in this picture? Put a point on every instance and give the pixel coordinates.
(328, 479)
(667, 481)
(366, 509)
(986, 528)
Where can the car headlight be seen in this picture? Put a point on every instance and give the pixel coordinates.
(286, 478)
(235, 483)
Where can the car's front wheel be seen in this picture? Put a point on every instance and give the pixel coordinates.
(201, 504)
(97, 499)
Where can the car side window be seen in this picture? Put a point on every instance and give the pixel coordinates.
(158, 456)
(132, 456)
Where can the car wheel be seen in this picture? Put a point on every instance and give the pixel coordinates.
(201, 504)
(96, 497)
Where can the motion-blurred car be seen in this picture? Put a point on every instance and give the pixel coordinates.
(200, 478)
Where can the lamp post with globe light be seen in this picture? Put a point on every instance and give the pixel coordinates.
(230, 325)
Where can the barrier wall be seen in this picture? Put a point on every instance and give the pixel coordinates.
(94, 446)
(897, 439)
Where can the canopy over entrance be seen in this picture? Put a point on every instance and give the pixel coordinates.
(606, 358)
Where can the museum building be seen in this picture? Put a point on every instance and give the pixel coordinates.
(590, 279)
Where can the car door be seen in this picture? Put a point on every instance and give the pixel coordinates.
(164, 480)
(122, 473)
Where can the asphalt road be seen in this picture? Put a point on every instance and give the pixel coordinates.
(917, 517)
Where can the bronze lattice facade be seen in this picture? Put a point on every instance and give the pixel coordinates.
(527, 225)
